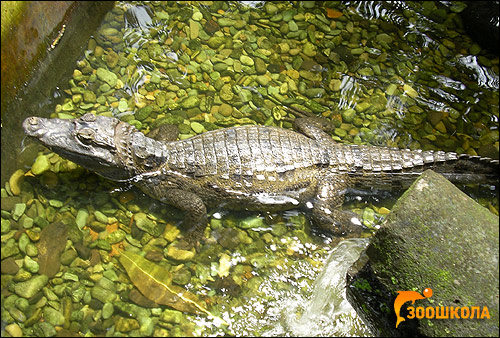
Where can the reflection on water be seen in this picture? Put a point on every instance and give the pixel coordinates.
(485, 77)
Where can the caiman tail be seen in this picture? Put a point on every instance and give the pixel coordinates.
(468, 169)
(382, 167)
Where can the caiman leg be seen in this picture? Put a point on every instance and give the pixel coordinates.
(315, 128)
(195, 220)
(327, 213)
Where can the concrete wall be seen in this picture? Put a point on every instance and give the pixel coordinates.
(41, 41)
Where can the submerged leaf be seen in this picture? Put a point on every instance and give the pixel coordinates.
(333, 14)
(50, 246)
(155, 283)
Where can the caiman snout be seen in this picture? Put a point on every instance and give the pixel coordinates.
(33, 127)
(47, 131)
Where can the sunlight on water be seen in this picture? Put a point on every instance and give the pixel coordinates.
(484, 76)
(317, 310)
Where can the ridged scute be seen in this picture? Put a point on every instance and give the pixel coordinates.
(245, 150)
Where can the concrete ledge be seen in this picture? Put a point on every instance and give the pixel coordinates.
(41, 41)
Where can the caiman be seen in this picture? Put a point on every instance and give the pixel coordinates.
(248, 167)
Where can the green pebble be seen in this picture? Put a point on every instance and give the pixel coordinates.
(68, 256)
(197, 127)
(143, 112)
(391, 89)
(105, 75)
(30, 287)
(145, 224)
(340, 132)
(18, 211)
(366, 71)
(97, 226)
(309, 49)
(474, 49)
(44, 329)
(107, 310)
(68, 276)
(225, 110)
(103, 88)
(315, 92)
(226, 93)
(65, 116)
(224, 22)
(251, 222)
(77, 98)
(9, 249)
(126, 324)
(104, 295)
(171, 316)
(348, 115)
(81, 218)
(216, 41)
(263, 80)
(190, 102)
(89, 96)
(31, 250)
(53, 316)
(103, 244)
(292, 26)
(383, 37)
(122, 105)
(56, 203)
(68, 106)
(101, 217)
(245, 95)
(5, 226)
(246, 60)
(116, 236)
(179, 254)
(111, 275)
(260, 66)
(30, 265)
(23, 241)
(357, 51)
(27, 222)
(362, 106)
(41, 165)
(279, 229)
(220, 66)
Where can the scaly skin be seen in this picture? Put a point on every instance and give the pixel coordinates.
(247, 167)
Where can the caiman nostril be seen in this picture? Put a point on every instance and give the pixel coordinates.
(33, 120)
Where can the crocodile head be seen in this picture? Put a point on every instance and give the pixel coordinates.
(96, 143)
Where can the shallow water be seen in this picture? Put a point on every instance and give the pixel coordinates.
(395, 74)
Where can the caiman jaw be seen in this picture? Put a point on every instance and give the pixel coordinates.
(88, 141)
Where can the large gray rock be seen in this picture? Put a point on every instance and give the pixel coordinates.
(435, 237)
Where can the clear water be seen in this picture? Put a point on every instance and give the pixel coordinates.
(396, 74)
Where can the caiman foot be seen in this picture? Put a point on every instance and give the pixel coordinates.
(339, 222)
(195, 220)
(193, 236)
(327, 213)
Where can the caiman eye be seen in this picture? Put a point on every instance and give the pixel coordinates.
(86, 135)
(89, 117)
